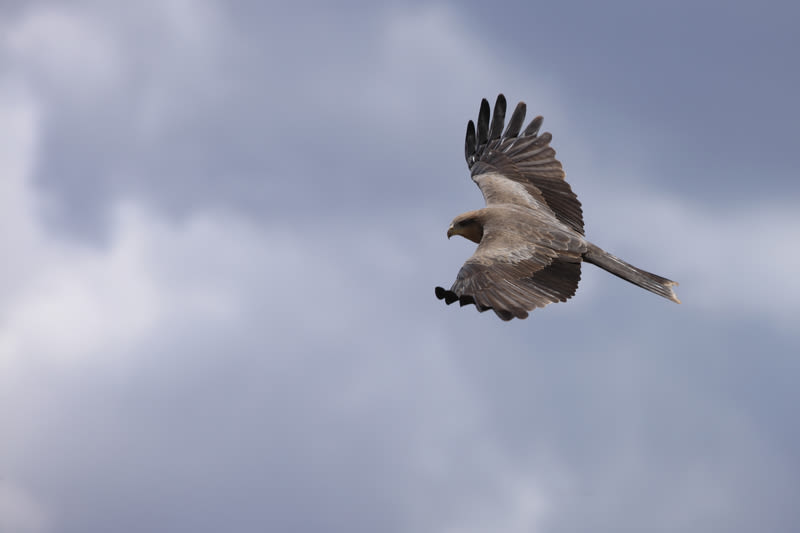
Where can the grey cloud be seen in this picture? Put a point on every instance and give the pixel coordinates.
(255, 345)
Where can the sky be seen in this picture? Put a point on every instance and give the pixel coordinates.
(221, 224)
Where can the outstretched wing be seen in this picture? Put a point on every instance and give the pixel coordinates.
(519, 168)
(514, 273)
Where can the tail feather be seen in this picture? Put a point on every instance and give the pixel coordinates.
(610, 263)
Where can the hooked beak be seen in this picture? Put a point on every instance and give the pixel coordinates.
(450, 231)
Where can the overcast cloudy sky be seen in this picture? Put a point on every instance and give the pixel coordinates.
(221, 224)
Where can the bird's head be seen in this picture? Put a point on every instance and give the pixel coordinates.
(468, 226)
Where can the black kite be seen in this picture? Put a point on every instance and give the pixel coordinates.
(530, 234)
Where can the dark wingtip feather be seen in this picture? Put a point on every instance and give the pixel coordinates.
(517, 118)
(443, 294)
(533, 127)
(470, 144)
(465, 299)
(498, 118)
(483, 123)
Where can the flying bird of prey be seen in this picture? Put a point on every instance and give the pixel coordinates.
(530, 234)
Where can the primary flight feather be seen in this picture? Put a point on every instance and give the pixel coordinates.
(530, 234)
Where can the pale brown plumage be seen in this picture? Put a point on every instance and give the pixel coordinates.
(530, 234)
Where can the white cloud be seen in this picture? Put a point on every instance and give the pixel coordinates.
(18, 125)
(84, 298)
(72, 50)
